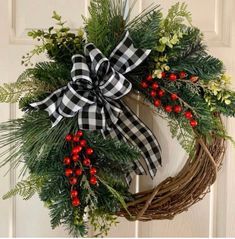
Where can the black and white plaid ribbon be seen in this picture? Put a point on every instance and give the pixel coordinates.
(94, 95)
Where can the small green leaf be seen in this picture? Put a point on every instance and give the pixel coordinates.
(161, 48)
(227, 102)
(56, 16)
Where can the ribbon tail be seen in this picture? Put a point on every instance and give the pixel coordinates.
(132, 130)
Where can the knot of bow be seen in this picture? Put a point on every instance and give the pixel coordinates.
(97, 85)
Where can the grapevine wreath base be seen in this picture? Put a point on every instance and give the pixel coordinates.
(176, 194)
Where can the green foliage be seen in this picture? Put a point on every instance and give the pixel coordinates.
(37, 144)
(190, 44)
(48, 75)
(123, 153)
(26, 188)
(205, 67)
(177, 14)
(12, 92)
(106, 24)
(53, 74)
(144, 28)
(101, 222)
(116, 194)
(218, 95)
(172, 26)
(59, 43)
(33, 83)
(183, 133)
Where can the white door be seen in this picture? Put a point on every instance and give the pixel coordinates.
(214, 216)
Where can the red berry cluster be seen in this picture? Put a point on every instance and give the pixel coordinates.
(181, 75)
(80, 155)
(157, 94)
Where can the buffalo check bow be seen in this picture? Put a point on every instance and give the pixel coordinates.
(94, 94)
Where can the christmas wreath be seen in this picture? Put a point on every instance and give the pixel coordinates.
(78, 141)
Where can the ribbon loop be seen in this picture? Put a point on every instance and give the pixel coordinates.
(125, 57)
(96, 82)
(99, 63)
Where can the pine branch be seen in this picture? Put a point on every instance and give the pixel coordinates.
(53, 74)
(205, 67)
(106, 24)
(143, 30)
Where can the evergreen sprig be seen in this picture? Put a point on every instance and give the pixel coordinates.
(26, 188)
(143, 30)
(12, 92)
(204, 66)
(176, 16)
(53, 74)
(106, 23)
(58, 42)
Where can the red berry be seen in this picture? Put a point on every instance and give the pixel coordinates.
(163, 74)
(68, 172)
(78, 172)
(182, 74)
(168, 108)
(79, 133)
(73, 180)
(67, 160)
(144, 84)
(188, 115)
(177, 108)
(155, 86)
(76, 202)
(161, 93)
(89, 151)
(194, 79)
(83, 142)
(153, 93)
(93, 170)
(172, 77)
(75, 157)
(68, 137)
(193, 123)
(149, 78)
(174, 96)
(75, 138)
(74, 193)
(93, 180)
(86, 162)
(157, 103)
(77, 149)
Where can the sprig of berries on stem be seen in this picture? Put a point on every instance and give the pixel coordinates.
(78, 163)
(157, 93)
